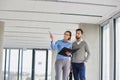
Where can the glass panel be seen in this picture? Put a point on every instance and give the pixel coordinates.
(27, 65)
(118, 49)
(106, 52)
(49, 64)
(40, 64)
(14, 64)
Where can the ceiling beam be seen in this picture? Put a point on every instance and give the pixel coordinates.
(37, 21)
(85, 3)
(73, 14)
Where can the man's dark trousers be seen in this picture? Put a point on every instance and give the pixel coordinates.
(78, 71)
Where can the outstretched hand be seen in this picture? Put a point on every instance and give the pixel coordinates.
(51, 36)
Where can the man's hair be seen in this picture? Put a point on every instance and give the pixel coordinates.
(79, 30)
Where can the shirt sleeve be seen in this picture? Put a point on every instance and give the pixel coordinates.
(54, 46)
(70, 45)
(88, 52)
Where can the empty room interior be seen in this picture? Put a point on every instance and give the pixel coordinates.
(25, 44)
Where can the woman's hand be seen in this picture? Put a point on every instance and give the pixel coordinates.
(68, 53)
(51, 36)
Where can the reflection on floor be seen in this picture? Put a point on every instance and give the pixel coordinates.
(25, 76)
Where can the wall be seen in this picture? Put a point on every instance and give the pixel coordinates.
(1, 46)
(91, 36)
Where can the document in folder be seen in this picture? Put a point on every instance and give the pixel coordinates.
(64, 50)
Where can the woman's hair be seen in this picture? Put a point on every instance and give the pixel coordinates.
(70, 34)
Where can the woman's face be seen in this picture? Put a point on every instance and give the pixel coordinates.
(66, 36)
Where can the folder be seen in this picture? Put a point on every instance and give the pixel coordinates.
(64, 50)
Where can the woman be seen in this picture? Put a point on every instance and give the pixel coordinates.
(62, 64)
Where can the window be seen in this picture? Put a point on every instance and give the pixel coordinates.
(27, 65)
(10, 64)
(40, 64)
(106, 52)
(19, 64)
(13, 65)
(117, 49)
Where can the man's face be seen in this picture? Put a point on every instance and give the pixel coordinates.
(78, 34)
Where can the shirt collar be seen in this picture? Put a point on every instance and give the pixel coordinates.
(78, 42)
(64, 41)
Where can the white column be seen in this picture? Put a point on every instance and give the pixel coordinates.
(1, 46)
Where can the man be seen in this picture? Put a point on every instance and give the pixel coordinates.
(79, 57)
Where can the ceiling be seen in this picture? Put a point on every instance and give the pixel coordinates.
(28, 22)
